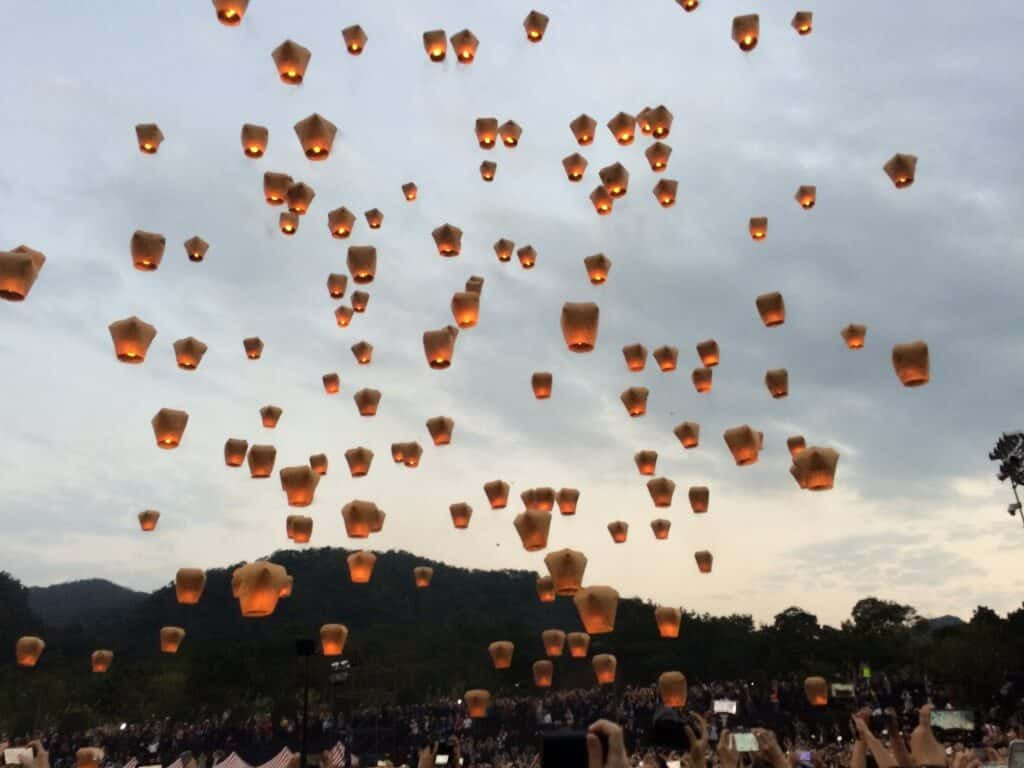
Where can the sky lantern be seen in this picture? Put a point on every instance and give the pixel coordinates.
(636, 356)
(635, 400)
(169, 427)
(189, 584)
(360, 566)
(535, 25)
(475, 284)
(901, 169)
(299, 485)
(554, 642)
(668, 620)
(477, 702)
(333, 638)
(646, 461)
(19, 269)
(409, 191)
(355, 39)
(340, 222)
(230, 12)
(439, 346)
(101, 661)
(807, 196)
(545, 589)
(816, 691)
(615, 179)
(149, 137)
(261, 460)
(583, 129)
(318, 463)
(688, 433)
(501, 653)
(301, 528)
(337, 285)
(702, 379)
(196, 248)
(911, 363)
(258, 586)
(359, 301)
(299, 197)
(527, 256)
(497, 493)
(745, 31)
(579, 325)
(288, 223)
(704, 561)
(464, 44)
(772, 309)
(398, 452)
(567, 499)
(363, 352)
(234, 451)
(275, 187)
(644, 122)
(170, 639)
(795, 444)
(744, 444)
(661, 490)
(543, 673)
(422, 576)
(709, 353)
(604, 665)
(466, 309)
(566, 567)
(411, 454)
(666, 357)
(619, 530)
(131, 338)
(270, 415)
(362, 263)
(359, 517)
(503, 249)
(440, 429)
(602, 201)
(374, 218)
(598, 266)
(188, 353)
(27, 650)
(359, 461)
(147, 250)
(759, 227)
(661, 527)
(316, 135)
(597, 607)
(486, 132)
(853, 335)
(538, 499)
(487, 170)
(435, 43)
(700, 498)
(802, 22)
(777, 381)
(665, 192)
(660, 120)
(148, 519)
(448, 239)
(510, 133)
(253, 347)
(533, 527)
(291, 60)
(672, 689)
(623, 128)
(254, 140)
(815, 468)
(657, 156)
(579, 644)
(461, 514)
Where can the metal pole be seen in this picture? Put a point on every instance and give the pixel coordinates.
(305, 719)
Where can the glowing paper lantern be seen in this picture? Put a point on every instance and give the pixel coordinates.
(448, 239)
(253, 347)
(538, 499)
(665, 192)
(258, 586)
(332, 383)
(745, 31)
(355, 39)
(615, 179)
(623, 128)
(602, 201)
(362, 263)
(583, 129)
(527, 256)
(911, 363)
(149, 137)
(318, 463)
(700, 497)
(604, 668)
(660, 121)
(854, 335)
(510, 133)
(759, 227)
(668, 620)
(672, 689)
(169, 427)
(340, 222)
(363, 352)
(19, 269)
(567, 499)
(657, 156)
(636, 356)
(543, 672)
(254, 140)
(486, 132)
(708, 351)
(535, 25)
(646, 461)
(148, 519)
(92, 757)
(802, 22)
(743, 443)
(704, 561)
(816, 691)
(359, 301)
(360, 518)
(666, 357)
(635, 400)
(374, 217)
(901, 169)
(270, 415)
(461, 514)
(422, 576)
(777, 381)
(464, 44)
(815, 468)
(532, 527)
(796, 444)
(597, 267)
(807, 196)
(644, 122)
(299, 197)
(275, 187)
(579, 326)
(410, 191)
(27, 650)
(101, 661)
(291, 60)
(619, 530)
(661, 490)
(299, 485)
(772, 309)
(501, 653)
(189, 584)
(579, 644)
(477, 702)
(503, 249)
(545, 589)
(475, 284)
(440, 429)
(439, 345)
(661, 527)
(554, 642)
(261, 460)
(466, 309)
(333, 638)
(230, 12)
(300, 528)
(566, 567)
(189, 353)
(359, 461)
(196, 248)
(170, 639)
(497, 493)
(131, 338)
(288, 223)
(411, 454)
(487, 170)
(688, 433)
(147, 250)
(360, 566)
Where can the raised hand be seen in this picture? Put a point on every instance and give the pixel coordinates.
(924, 747)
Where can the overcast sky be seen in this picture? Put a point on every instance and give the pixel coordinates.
(916, 514)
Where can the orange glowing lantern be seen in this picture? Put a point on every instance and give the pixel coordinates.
(101, 661)
(131, 338)
(189, 352)
(230, 12)
(854, 335)
(777, 381)
(299, 485)
(258, 586)
(796, 444)
(477, 702)
(619, 530)
(461, 514)
(316, 135)
(359, 301)
(623, 128)
(554, 642)
(807, 196)
(196, 248)
(253, 347)
(291, 60)
(744, 444)
(535, 24)
(147, 250)
(362, 263)
(503, 249)
(567, 499)
(759, 227)
(19, 269)
(605, 665)
(448, 239)
(615, 179)
(583, 129)
(672, 689)
(374, 217)
(170, 639)
(661, 490)
(538, 499)
(466, 309)
(646, 461)
(704, 561)
(261, 460)
(657, 155)
(597, 267)
(566, 567)
(579, 644)
(149, 137)
(169, 427)
(422, 576)
(288, 223)
(270, 415)
(661, 528)
(363, 352)
(497, 493)
(527, 256)
(440, 429)
(92, 757)
(360, 518)
(665, 192)
(501, 653)
(579, 325)
(688, 433)
(545, 589)
(439, 345)
(901, 169)
(333, 638)
(487, 170)
(359, 461)
(666, 357)
(300, 528)
(689, 5)
(745, 31)
(597, 607)
(802, 22)
(409, 191)
(772, 309)
(332, 383)
(486, 132)
(533, 527)
(668, 620)
(816, 690)
(510, 132)
(355, 39)
(643, 120)
(27, 650)
(299, 197)
(340, 222)
(815, 468)
(660, 121)
(911, 363)
(254, 140)
(602, 201)
(318, 463)
(464, 44)
(708, 352)
(360, 566)
(635, 400)
(636, 356)
(543, 672)
(189, 584)
(148, 519)
(700, 498)
(411, 454)
(475, 284)
(275, 187)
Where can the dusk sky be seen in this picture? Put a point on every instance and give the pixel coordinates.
(917, 514)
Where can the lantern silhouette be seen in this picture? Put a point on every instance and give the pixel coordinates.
(579, 644)
(258, 586)
(147, 250)
(615, 179)
(661, 490)
(288, 222)
(261, 460)
(131, 338)
(422, 576)
(374, 217)
(355, 39)
(275, 187)
(189, 352)
(318, 463)
(583, 129)
(816, 691)
(332, 383)
(461, 513)
(636, 356)
(487, 170)
(475, 284)
(566, 567)
(623, 128)
(602, 201)
(340, 222)
(196, 248)
(189, 584)
(911, 363)
(635, 400)
(554, 642)
(486, 132)
(27, 650)
(291, 60)
(597, 267)
(604, 668)
(254, 140)
(148, 519)
(230, 12)
(410, 191)
(807, 196)
(170, 639)
(661, 527)
(359, 460)
(543, 672)
(440, 429)
(772, 309)
(477, 702)
(92, 757)
(745, 31)
(532, 527)
(657, 156)
(448, 239)
(802, 22)
(527, 256)
(545, 589)
(501, 653)
(901, 169)
(510, 133)
(360, 517)
(535, 25)
(149, 137)
(665, 192)
(439, 346)
(759, 227)
(359, 301)
(299, 485)
(19, 269)
(743, 443)
(333, 638)
(503, 249)
(672, 689)
(579, 326)
(169, 427)
(253, 347)
(538, 499)
(466, 309)
(101, 661)
(300, 528)
(619, 531)
(688, 433)
(815, 468)
(464, 44)
(777, 381)
(497, 493)
(411, 454)
(270, 415)
(668, 620)
(796, 444)
(700, 497)
(567, 499)
(853, 335)
(298, 198)
(363, 352)
(360, 566)
(704, 561)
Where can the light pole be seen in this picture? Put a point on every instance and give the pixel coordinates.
(1009, 452)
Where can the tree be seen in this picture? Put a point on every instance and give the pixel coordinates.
(797, 624)
(879, 618)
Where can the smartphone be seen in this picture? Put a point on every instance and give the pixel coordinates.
(440, 759)
(674, 763)
(565, 749)
(725, 706)
(1016, 758)
(804, 757)
(13, 755)
(745, 742)
(953, 719)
